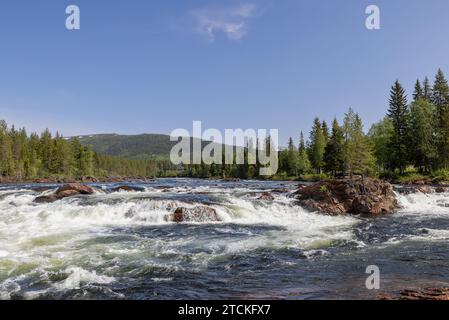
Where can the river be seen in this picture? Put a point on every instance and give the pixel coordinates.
(117, 245)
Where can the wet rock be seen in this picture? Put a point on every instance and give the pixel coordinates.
(348, 196)
(88, 179)
(80, 188)
(128, 189)
(440, 190)
(68, 190)
(281, 190)
(196, 214)
(420, 294)
(266, 196)
(424, 189)
(47, 199)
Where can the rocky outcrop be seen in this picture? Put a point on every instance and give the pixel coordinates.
(68, 190)
(196, 214)
(348, 196)
(421, 294)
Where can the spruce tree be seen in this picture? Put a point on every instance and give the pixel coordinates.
(440, 98)
(303, 157)
(427, 90)
(398, 113)
(334, 157)
(419, 93)
(316, 146)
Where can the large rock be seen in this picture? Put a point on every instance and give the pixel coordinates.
(421, 294)
(79, 188)
(196, 214)
(68, 190)
(348, 196)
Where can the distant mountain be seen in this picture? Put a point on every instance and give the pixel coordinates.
(131, 146)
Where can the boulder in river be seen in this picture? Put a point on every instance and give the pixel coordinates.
(128, 189)
(266, 196)
(68, 190)
(196, 214)
(348, 196)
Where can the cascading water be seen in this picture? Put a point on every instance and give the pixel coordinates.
(119, 245)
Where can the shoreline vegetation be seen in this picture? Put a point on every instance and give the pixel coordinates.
(409, 146)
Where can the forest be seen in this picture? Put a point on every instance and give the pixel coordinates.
(412, 140)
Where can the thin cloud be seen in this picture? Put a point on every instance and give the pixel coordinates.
(231, 21)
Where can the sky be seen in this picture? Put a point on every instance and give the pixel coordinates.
(153, 66)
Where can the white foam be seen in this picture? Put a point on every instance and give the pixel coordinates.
(79, 276)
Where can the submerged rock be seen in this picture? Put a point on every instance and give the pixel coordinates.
(196, 214)
(348, 196)
(440, 190)
(128, 189)
(68, 190)
(266, 196)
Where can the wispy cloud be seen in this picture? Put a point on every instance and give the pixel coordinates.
(231, 21)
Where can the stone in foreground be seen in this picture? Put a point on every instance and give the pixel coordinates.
(348, 196)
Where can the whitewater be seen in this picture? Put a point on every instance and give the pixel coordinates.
(119, 245)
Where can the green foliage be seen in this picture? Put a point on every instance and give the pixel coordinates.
(423, 150)
(399, 116)
(440, 99)
(380, 135)
(334, 155)
(27, 157)
(359, 158)
(317, 144)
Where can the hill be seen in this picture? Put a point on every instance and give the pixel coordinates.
(141, 146)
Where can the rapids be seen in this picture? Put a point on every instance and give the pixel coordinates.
(117, 245)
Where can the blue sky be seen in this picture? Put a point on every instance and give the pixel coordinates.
(152, 66)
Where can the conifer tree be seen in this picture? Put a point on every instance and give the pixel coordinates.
(316, 146)
(419, 93)
(303, 157)
(427, 89)
(440, 98)
(334, 157)
(399, 115)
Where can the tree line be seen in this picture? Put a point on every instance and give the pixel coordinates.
(414, 134)
(24, 156)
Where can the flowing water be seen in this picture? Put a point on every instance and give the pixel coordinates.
(117, 245)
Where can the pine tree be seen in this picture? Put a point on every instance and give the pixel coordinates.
(303, 157)
(427, 90)
(440, 98)
(399, 115)
(419, 93)
(326, 135)
(334, 157)
(317, 145)
(359, 158)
